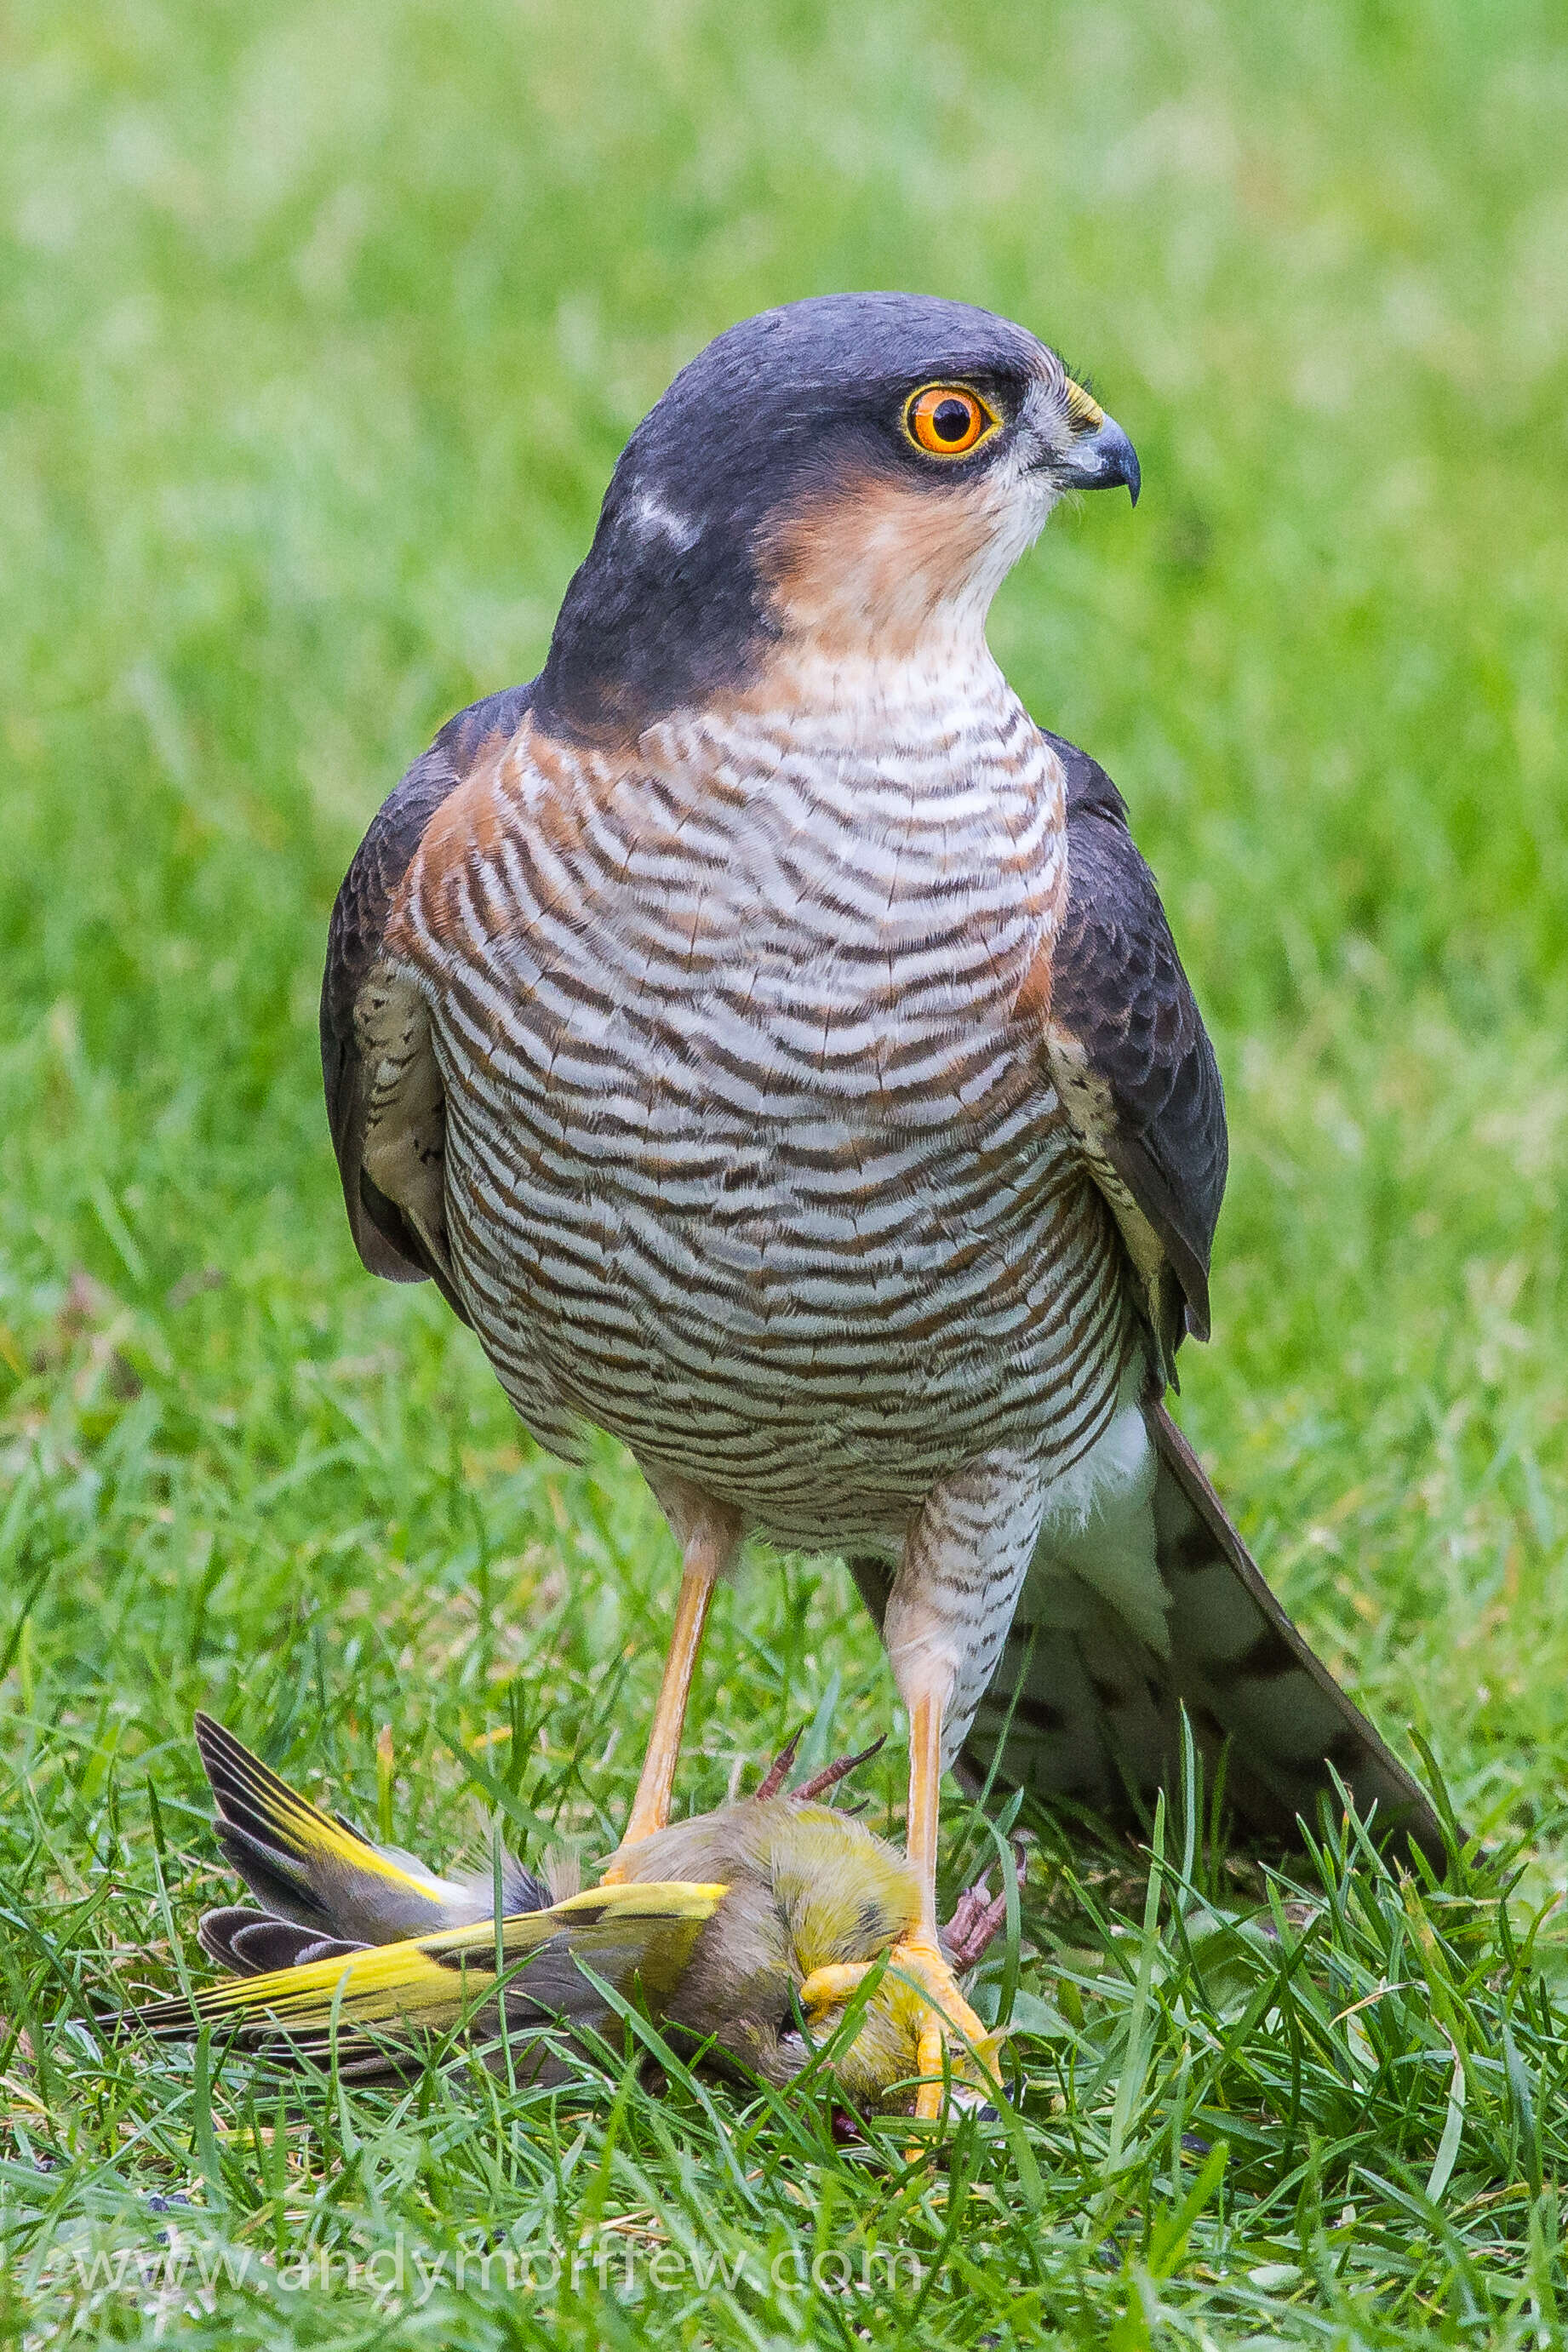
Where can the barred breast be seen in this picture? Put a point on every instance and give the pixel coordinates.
(749, 1156)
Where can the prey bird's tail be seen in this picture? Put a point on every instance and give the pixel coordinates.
(371, 2007)
(1087, 1706)
(364, 1955)
(320, 1874)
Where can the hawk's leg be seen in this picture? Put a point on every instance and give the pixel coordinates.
(709, 1537)
(947, 1618)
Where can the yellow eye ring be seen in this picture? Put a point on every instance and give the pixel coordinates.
(947, 420)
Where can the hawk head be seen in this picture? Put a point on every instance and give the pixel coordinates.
(850, 478)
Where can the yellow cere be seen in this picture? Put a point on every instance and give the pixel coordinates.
(1084, 411)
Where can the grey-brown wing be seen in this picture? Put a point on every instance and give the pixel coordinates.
(387, 1237)
(1131, 1060)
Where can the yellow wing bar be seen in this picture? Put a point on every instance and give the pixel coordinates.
(622, 1932)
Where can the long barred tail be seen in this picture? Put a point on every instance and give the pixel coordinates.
(1089, 1711)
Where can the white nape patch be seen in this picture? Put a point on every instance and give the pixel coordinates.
(1099, 1523)
(651, 518)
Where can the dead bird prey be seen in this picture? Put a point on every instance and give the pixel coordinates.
(718, 1924)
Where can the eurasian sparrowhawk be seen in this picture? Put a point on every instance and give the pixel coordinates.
(772, 1042)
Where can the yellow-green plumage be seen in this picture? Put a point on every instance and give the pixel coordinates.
(714, 1927)
(319, 1870)
(630, 1935)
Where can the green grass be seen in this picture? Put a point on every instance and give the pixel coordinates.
(321, 329)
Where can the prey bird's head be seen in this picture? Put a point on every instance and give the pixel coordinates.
(848, 479)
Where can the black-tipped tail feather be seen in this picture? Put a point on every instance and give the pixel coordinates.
(325, 1875)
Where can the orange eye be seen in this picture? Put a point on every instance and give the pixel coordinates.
(946, 420)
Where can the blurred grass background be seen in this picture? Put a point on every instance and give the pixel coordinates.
(321, 330)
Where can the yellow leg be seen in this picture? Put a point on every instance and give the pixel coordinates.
(925, 1801)
(940, 2014)
(707, 1554)
(920, 1953)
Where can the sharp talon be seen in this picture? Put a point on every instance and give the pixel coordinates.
(974, 1927)
(977, 1918)
(777, 1773)
(831, 1774)
(973, 1900)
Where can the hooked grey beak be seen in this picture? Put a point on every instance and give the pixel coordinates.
(1100, 460)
